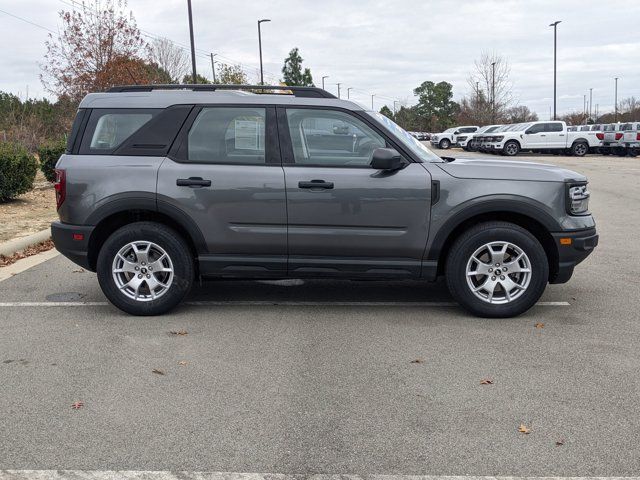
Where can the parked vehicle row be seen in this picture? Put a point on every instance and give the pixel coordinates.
(543, 137)
(449, 137)
(422, 136)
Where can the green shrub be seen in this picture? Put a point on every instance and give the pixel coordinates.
(49, 154)
(17, 170)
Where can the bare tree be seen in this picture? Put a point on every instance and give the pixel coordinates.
(169, 57)
(520, 114)
(489, 80)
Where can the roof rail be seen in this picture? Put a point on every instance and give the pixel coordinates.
(308, 92)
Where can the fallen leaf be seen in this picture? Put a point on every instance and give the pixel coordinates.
(539, 325)
(523, 429)
(560, 442)
(179, 332)
(417, 360)
(158, 371)
(486, 381)
(182, 363)
(80, 270)
(27, 252)
(77, 405)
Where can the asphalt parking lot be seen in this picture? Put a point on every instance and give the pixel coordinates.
(334, 377)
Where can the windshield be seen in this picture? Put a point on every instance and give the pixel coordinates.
(450, 130)
(416, 147)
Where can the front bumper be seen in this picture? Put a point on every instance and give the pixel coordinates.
(73, 242)
(573, 248)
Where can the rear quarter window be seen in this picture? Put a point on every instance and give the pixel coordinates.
(107, 129)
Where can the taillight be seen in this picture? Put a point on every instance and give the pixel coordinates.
(638, 136)
(619, 135)
(600, 136)
(60, 187)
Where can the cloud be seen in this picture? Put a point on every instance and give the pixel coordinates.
(382, 47)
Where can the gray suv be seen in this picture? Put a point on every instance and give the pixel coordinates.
(161, 185)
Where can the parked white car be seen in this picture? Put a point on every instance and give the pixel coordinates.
(542, 137)
(471, 141)
(448, 138)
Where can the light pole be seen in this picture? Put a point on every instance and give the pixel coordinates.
(493, 92)
(615, 115)
(394, 107)
(590, 102)
(348, 90)
(326, 76)
(338, 84)
(584, 106)
(555, 51)
(260, 48)
(213, 66)
(373, 95)
(193, 48)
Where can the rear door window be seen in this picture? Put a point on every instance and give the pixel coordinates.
(553, 127)
(228, 135)
(107, 129)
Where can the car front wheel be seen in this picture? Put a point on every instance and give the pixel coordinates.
(497, 269)
(145, 268)
(511, 148)
(444, 144)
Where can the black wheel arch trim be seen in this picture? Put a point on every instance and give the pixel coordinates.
(502, 204)
(126, 202)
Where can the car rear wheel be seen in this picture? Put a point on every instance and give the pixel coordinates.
(579, 149)
(145, 268)
(444, 144)
(511, 148)
(497, 269)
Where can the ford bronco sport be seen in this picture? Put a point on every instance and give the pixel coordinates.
(162, 185)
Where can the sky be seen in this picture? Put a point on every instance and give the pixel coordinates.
(386, 48)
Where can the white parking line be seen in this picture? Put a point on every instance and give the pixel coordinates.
(258, 303)
(185, 475)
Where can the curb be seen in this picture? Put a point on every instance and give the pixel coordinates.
(17, 244)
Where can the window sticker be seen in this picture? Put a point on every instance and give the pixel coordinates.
(247, 134)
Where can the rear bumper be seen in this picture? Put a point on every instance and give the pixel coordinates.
(73, 242)
(571, 254)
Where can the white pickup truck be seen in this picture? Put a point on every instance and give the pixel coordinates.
(447, 138)
(546, 137)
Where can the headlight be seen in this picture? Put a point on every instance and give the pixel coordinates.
(578, 199)
(498, 139)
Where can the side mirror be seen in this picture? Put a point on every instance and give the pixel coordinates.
(456, 132)
(387, 159)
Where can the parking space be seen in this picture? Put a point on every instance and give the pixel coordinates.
(334, 376)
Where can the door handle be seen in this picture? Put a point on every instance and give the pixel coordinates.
(193, 182)
(316, 184)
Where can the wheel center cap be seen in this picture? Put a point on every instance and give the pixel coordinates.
(144, 270)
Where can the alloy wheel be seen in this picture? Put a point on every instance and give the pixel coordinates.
(143, 271)
(498, 272)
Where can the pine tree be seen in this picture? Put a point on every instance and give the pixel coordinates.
(292, 72)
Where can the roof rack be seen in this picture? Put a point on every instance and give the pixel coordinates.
(308, 92)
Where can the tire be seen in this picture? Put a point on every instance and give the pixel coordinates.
(444, 144)
(503, 302)
(620, 151)
(118, 266)
(511, 148)
(579, 149)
